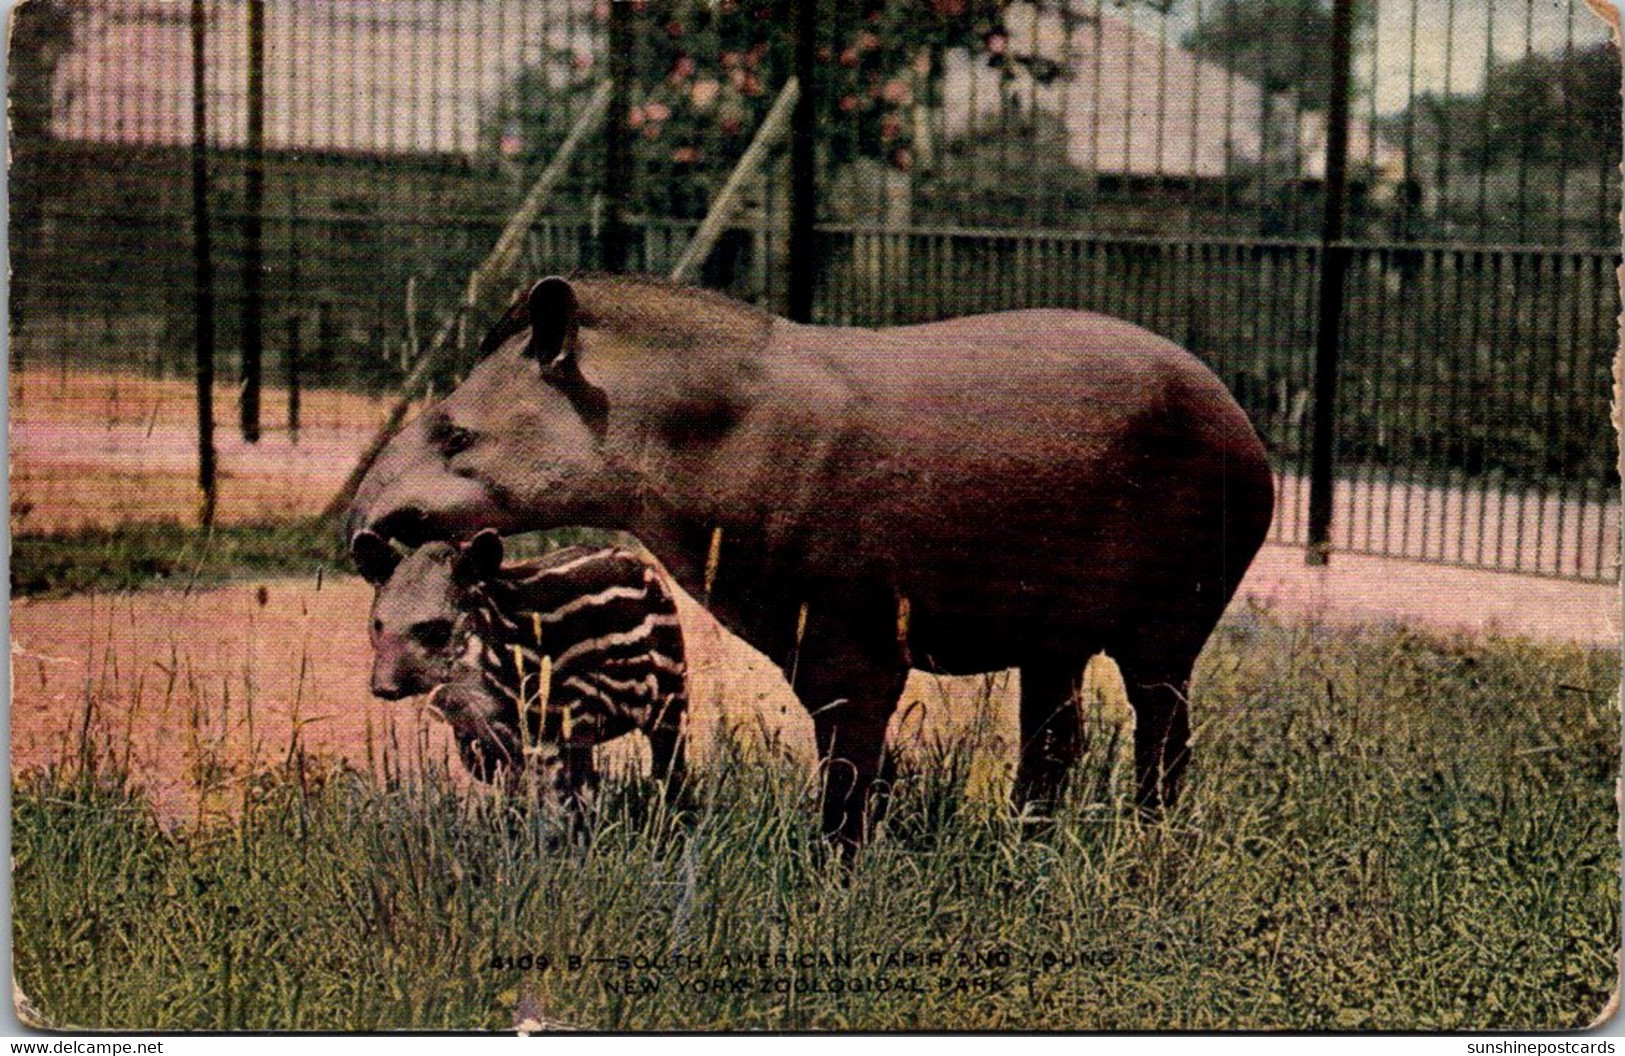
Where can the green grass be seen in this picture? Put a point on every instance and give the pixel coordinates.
(163, 554)
(1382, 830)
(167, 554)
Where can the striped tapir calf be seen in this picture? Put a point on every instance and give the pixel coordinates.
(456, 622)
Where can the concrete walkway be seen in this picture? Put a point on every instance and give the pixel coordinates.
(1358, 589)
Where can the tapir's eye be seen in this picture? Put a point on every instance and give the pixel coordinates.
(449, 437)
(432, 634)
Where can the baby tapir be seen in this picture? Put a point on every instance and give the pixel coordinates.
(456, 622)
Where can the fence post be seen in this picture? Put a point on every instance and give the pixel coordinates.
(254, 227)
(803, 249)
(203, 264)
(617, 142)
(1333, 277)
(291, 366)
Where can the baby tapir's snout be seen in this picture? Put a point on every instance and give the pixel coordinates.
(393, 677)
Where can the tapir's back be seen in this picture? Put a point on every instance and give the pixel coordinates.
(1028, 466)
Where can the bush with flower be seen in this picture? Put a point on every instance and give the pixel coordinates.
(706, 72)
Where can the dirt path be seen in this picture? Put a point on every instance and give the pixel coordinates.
(104, 449)
(1356, 589)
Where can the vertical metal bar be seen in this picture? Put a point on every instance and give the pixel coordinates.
(617, 143)
(1359, 267)
(254, 227)
(203, 263)
(1446, 122)
(1606, 341)
(803, 262)
(1333, 276)
(290, 364)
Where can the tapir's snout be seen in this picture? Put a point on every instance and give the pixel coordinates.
(409, 495)
(392, 678)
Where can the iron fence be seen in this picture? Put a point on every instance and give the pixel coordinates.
(1173, 162)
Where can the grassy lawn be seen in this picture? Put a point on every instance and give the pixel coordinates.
(165, 554)
(1382, 830)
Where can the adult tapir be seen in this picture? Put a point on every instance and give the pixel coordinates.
(1020, 489)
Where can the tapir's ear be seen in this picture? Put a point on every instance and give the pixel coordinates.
(552, 305)
(374, 558)
(481, 558)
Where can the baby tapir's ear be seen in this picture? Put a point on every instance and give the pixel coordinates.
(480, 559)
(374, 558)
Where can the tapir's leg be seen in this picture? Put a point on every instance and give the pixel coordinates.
(665, 746)
(1050, 737)
(576, 777)
(849, 676)
(1159, 694)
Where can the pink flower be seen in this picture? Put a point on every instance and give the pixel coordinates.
(657, 111)
(754, 57)
(651, 132)
(868, 41)
(848, 103)
(897, 92)
(674, 30)
(903, 158)
(996, 43)
(949, 8)
(730, 126)
(849, 56)
(686, 155)
(600, 10)
(634, 117)
(682, 69)
(581, 60)
(890, 128)
(824, 54)
(730, 60)
(704, 92)
(922, 63)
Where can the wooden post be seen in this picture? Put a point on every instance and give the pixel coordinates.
(1333, 278)
(617, 141)
(202, 265)
(290, 363)
(254, 227)
(773, 128)
(483, 282)
(803, 250)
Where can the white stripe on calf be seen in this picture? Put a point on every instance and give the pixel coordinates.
(648, 685)
(610, 641)
(601, 598)
(560, 570)
(586, 688)
(655, 659)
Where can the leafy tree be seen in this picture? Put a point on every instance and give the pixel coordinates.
(1280, 45)
(41, 34)
(708, 71)
(1539, 110)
